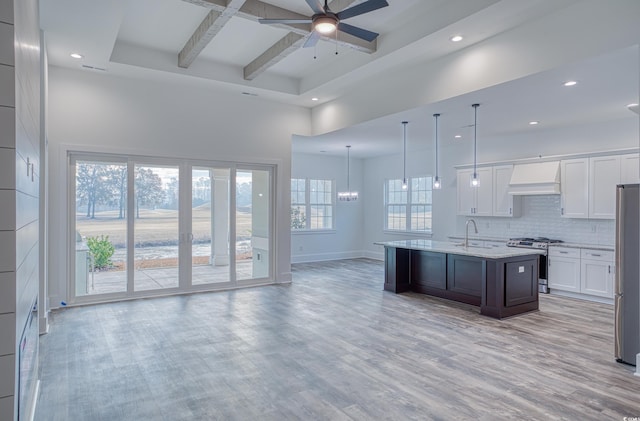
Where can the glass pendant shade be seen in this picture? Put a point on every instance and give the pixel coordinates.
(437, 183)
(404, 155)
(475, 181)
(348, 196)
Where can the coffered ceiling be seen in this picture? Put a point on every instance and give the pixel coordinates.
(222, 42)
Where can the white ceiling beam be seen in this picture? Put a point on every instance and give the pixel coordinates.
(285, 46)
(208, 28)
(278, 51)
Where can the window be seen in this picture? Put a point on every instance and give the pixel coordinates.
(312, 203)
(410, 209)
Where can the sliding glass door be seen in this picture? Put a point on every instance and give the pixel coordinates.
(99, 240)
(156, 233)
(178, 217)
(210, 223)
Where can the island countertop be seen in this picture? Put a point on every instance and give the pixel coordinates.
(493, 252)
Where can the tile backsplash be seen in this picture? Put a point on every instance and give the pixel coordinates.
(540, 217)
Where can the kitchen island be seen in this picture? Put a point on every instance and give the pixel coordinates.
(502, 281)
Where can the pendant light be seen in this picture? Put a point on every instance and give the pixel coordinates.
(437, 183)
(404, 155)
(348, 196)
(475, 181)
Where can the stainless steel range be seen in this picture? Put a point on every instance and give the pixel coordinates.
(538, 243)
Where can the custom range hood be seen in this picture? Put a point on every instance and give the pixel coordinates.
(535, 179)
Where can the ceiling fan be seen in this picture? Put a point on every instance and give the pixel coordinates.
(325, 21)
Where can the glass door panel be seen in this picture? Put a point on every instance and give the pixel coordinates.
(210, 225)
(252, 224)
(156, 231)
(100, 227)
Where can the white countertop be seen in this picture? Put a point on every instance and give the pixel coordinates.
(500, 252)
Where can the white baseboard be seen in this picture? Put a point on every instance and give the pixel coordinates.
(284, 278)
(582, 296)
(323, 257)
(376, 255)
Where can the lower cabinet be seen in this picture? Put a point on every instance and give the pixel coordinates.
(564, 269)
(597, 273)
(583, 271)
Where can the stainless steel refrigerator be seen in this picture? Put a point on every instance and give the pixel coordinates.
(627, 285)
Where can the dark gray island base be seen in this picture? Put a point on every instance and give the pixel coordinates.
(502, 281)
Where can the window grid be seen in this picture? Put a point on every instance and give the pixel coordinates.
(410, 209)
(312, 204)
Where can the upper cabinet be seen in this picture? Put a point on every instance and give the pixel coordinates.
(574, 188)
(629, 169)
(491, 197)
(504, 204)
(589, 184)
(604, 175)
(475, 201)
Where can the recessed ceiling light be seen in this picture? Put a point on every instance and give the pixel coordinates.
(457, 136)
(633, 104)
(76, 55)
(570, 83)
(314, 99)
(533, 123)
(456, 38)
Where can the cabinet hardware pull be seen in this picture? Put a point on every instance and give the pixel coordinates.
(32, 169)
(596, 255)
(563, 252)
(609, 268)
(28, 165)
(510, 211)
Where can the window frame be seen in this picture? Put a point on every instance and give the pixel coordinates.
(408, 204)
(308, 205)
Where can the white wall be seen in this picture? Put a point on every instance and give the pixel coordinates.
(98, 112)
(346, 240)
(19, 190)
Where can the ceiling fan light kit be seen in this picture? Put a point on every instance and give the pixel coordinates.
(325, 24)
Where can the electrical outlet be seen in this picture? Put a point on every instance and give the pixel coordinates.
(488, 225)
(594, 228)
(508, 225)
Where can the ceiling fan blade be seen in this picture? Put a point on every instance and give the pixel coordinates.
(357, 32)
(272, 21)
(316, 6)
(312, 40)
(362, 8)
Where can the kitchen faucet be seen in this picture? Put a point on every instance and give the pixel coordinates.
(466, 231)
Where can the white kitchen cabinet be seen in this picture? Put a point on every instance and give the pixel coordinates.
(564, 269)
(574, 186)
(504, 204)
(597, 272)
(604, 175)
(629, 168)
(475, 201)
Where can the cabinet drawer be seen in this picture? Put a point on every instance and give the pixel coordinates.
(564, 252)
(601, 255)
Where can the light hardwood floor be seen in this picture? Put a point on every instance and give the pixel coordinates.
(331, 346)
